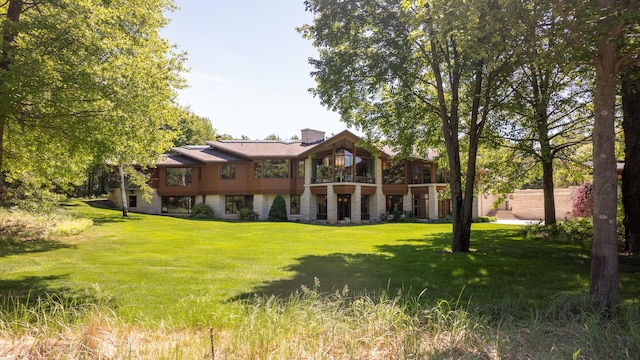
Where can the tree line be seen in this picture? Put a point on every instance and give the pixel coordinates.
(539, 78)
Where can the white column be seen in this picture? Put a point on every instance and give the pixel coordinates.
(433, 203)
(356, 203)
(332, 209)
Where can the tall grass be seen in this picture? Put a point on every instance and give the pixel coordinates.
(310, 324)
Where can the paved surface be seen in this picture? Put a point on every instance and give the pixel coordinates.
(518, 222)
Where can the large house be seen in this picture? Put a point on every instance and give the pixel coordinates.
(330, 180)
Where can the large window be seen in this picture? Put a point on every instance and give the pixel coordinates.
(178, 177)
(227, 171)
(177, 204)
(322, 168)
(322, 207)
(233, 203)
(300, 169)
(364, 207)
(271, 169)
(441, 176)
(393, 172)
(421, 174)
(365, 168)
(394, 204)
(294, 205)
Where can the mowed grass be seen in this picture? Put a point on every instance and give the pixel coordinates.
(184, 272)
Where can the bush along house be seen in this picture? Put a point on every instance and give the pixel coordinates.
(330, 180)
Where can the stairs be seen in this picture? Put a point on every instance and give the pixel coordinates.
(502, 214)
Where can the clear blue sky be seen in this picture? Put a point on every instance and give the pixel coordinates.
(249, 69)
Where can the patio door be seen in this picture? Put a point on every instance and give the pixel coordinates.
(344, 206)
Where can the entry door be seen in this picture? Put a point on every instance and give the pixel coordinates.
(344, 206)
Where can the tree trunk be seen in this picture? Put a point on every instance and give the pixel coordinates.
(631, 172)
(9, 34)
(548, 189)
(604, 288)
(125, 207)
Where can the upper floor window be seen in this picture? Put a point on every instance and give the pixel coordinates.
(178, 177)
(227, 171)
(393, 172)
(271, 169)
(300, 169)
(421, 174)
(441, 175)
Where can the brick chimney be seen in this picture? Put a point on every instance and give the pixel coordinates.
(310, 136)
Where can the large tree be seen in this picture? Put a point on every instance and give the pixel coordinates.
(549, 112)
(631, 172)
(601, 32)
(81, 81)
(415, 73)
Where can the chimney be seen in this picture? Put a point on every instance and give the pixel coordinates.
(310, 136)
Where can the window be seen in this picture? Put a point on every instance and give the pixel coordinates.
(393, 172)
(294, 205)
(322, 207)
(177, 177)
(228, 171)
(394, 204)
(177, 204)
(365, 169)
(421, 174)
(441, 176)
(271, 169)
(133, 201)
(300, 169)
(364, 207)
(322, 170)
(233, 203)
(257, 169)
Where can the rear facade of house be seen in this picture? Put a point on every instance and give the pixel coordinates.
(330, 180)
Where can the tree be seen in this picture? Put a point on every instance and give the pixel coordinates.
(415, 73)
(193, 129)
(549, 108)
(602, 32)
(273, 137)
(99, 87)
(278, 211)
(631, 172)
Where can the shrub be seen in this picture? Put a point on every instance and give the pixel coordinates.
(583, 201)
(574, 231)
(248, 214)
(484, 219)
(278, 211)
(202, 211)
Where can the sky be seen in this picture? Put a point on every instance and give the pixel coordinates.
(249, 67)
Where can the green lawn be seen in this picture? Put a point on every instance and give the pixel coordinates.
(188, 272)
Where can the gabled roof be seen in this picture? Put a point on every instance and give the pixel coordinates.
(261, 149)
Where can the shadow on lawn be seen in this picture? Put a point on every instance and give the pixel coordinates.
(502, 267)
(114, 216)
(10, 247)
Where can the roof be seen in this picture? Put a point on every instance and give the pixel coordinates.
(177, 160)
(261, 149)
(220, 151)
(206, 154)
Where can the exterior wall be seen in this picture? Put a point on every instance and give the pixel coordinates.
(528, 204)
(154, 207)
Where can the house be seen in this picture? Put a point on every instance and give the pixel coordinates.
(330, 180)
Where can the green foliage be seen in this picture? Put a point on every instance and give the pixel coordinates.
(278, 211)
(202, 211)
(574, 231)
(193, 129)
(248, 214)
(105, 93)
(484, 219)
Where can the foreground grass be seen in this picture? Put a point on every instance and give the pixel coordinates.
(151, 287)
